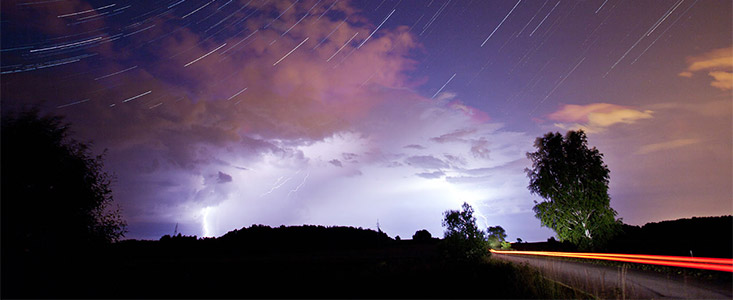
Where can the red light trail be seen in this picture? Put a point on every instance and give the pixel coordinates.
(707, 263)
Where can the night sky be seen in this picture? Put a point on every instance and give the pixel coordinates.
(227, 113)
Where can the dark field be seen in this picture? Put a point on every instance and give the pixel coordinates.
(182, 267)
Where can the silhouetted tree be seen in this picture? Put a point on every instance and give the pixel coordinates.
(573, 180)
(495, 236)
(55, 194)
(463, 240)
(422, 235)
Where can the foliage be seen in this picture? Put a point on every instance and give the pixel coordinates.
(703, 236)
(495, 236)
(506, 245)
(573, 180)
(462, 238)
(422, 235)
(55, 194)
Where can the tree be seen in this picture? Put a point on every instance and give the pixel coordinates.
(573, 180)
(422, 235)
(463, 240)
(495, 236)
(55, 194)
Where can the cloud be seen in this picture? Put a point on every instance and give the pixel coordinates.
(426, 162)
(649, 148)
(336, 162)
(227, 140)
(413, 146)
(596, 117)
(224, 178)
(718, 63)
(431, 175)
(723, 80)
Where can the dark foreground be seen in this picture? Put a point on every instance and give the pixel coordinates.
(403, 269)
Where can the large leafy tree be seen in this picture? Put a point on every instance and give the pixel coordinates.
(463, 239)
(55, 193)
(573, 180)
(495, 236)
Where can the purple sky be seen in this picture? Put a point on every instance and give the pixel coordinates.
(223, 114)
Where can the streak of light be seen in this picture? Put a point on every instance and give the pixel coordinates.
(67, 45)
(649, 31)
(367, 80)
(502, 22)
(93, 16)
(707, 263)
(86, 11)
(435, 16)
(280, 15)
(16, 48)
(200, 8)
(308, 13)
(291, 51)
(135, 97)
(205, 55)
(235, 45)
(560, 83)
(49, 64)
(442, 87)
(122, 8)
(154, 106)
(599, 8)
(237, 94)
(342, 47)
(418, 21)
(141, 30)
(663, 32)
(545, 18)
(669, 12)
(115, 73)
(296, 24)
(38, 2)
(532, 19)
(380, 4)
(229, 16)
(344, 58)
(247, 16)
(174, 4)
(375, 30)
(325, 11)
(329, 34)
(73, 103)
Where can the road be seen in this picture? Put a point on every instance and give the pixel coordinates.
(617, 282)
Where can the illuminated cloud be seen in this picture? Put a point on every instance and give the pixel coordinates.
(226, 139)
(718, 63)
(649, 148)
(723, 80)
(596, 117)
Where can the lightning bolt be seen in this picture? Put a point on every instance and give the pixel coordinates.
(277, 185)
(300, 185)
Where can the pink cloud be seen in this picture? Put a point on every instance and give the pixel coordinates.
(596, 117)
